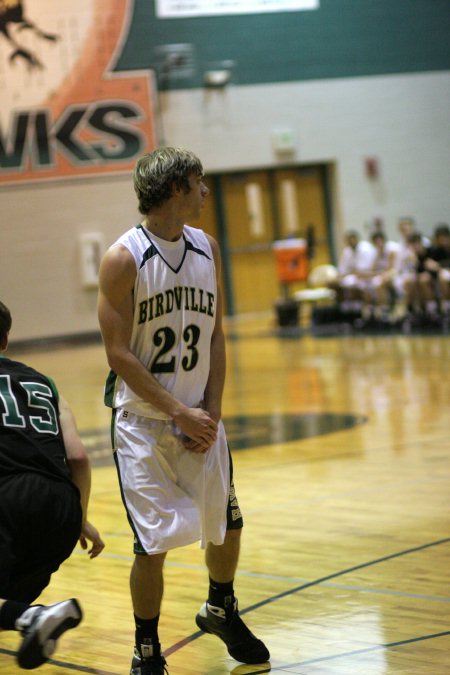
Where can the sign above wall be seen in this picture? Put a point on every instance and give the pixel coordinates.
(65, 112)
(175, 9)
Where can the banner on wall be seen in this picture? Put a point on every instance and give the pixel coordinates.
(175, 9)
(64, 112)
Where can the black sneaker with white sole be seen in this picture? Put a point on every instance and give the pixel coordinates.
(41, 626)
(154, 665)
(242, 645)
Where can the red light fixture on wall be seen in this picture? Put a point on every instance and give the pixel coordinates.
(371, 167)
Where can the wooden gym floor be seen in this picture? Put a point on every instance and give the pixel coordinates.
(342, 467)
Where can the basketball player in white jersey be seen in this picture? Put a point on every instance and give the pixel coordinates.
(160, 313)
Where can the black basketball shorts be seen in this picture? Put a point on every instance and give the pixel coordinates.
(40, 523)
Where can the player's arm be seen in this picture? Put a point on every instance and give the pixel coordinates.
(345, 265)
(80, 471)
(216, 379)
(392, 260)
(115, 312)
(430, 264)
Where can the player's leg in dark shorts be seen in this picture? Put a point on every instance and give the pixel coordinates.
(234, 515)
(40, 523)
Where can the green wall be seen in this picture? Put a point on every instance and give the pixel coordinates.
(343, 38)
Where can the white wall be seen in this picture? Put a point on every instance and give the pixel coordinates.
(403, 120)
(39, 251)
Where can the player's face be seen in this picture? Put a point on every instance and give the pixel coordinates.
(405, 228)
(352, 241)
(416, 247)
(378, 242)
(195, 198)
(443, 240)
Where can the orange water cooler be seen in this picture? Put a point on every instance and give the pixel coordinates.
(291, 266)
(291, 260)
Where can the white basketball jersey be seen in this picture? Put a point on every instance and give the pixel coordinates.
(174, 298)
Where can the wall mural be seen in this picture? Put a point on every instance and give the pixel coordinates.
(64, 111)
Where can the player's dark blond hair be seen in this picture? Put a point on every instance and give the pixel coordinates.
(5, 322)
(156, 173)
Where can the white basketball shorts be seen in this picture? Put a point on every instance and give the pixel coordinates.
(173, 497)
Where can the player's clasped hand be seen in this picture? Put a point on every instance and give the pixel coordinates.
(198, 428)
(193, 446)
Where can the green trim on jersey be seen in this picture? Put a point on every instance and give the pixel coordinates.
(113, 430)
(53, 387)
(110, 389)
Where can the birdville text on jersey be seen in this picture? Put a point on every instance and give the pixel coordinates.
(181, 297)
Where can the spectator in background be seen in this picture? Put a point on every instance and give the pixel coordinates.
(379, 279)
(414, 298)
(430, 288)
(406, 226)
(439, 264)
(356, 259)
(405, 262)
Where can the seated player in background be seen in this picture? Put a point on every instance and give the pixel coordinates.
(405, 267)
(439, 253)
(378, 291)
(356, 259)
(429, 288)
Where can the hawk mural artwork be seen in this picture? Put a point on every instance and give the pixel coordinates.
(64, 111)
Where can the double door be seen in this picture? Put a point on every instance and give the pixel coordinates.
(248, 211)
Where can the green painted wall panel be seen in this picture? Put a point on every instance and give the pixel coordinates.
(344, 38)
